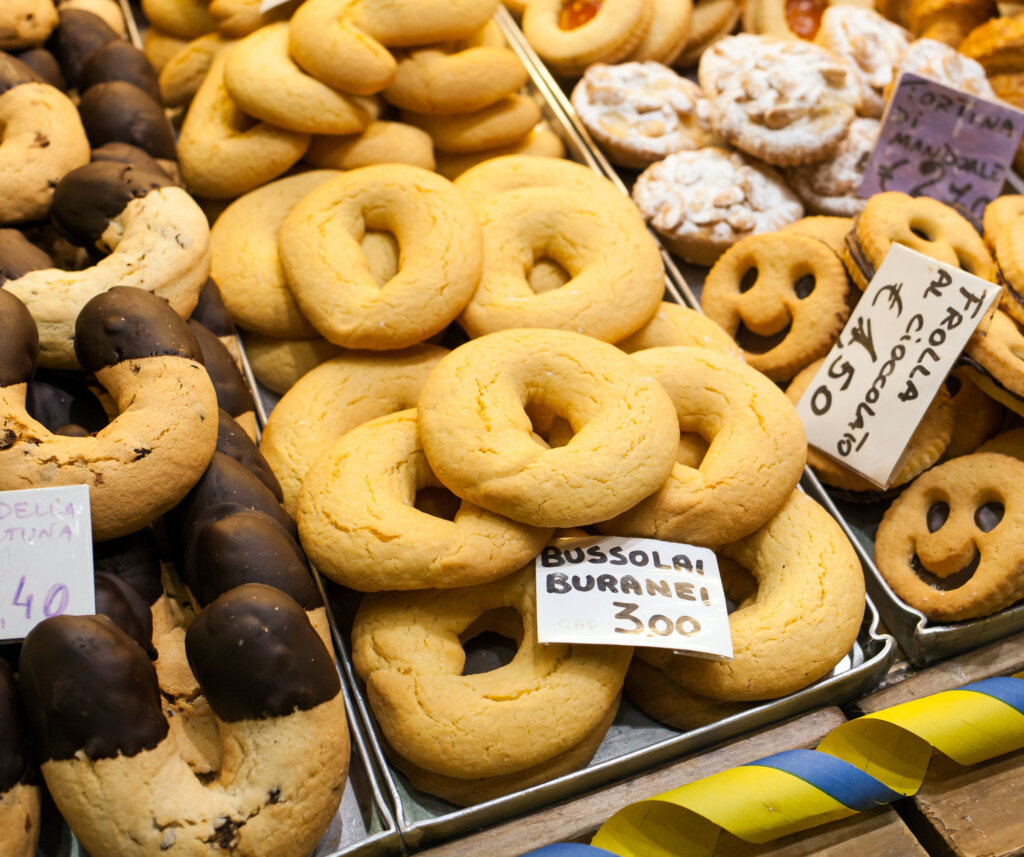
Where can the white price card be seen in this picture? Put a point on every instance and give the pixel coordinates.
(902, 339)
(45, 557)
(632, 592)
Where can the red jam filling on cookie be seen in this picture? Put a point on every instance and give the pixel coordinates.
(804, 16)
(576, 13)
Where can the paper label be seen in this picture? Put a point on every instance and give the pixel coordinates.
(901, 341)
(45, 557)
(267, 5)
(632, 592)
(941, 142)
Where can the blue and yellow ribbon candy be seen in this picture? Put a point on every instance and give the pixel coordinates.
(860, 765)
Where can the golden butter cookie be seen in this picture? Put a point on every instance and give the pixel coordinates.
(407, 647)
(359, 524)
(667, 34)
(999, 214)
(920, 223)
(831, 230)
(571, 36)
(710, 20)
(108, 10)
(477, 435)
(673, 324)
(183, 73)
(238, 18)
(1010, 266)
(440, 256)
(788, 20)
(279, 363)
(502, 123)
(945, 21)
(804, 618)
(640, 113)
(221, 152)
(927, 444)
(756, 455)
(245, 263)
(24, 23)
(335, 397)
(616, 276)
(977, 416)
(785, 102)
(650, 690)
(541, 142)
(950, 545)
(782, 297)
(443, 82)
(185, 19)
(994, 360)
(382, 142)
(996, 45)
(703, 202)
(20, 803)
(1008, 443)
(160, 48)
(870, 44)
(830, 187)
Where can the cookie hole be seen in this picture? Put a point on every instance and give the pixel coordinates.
(937, 515)
(546, 275)
(953, 384)
(987, 517)
(439, 502)
(950, 581)
(551, 428)
(748, 279)
(920, 232)
(691, 450)
(492, 641)
(804, 286)
(381, 251)
(755, 343)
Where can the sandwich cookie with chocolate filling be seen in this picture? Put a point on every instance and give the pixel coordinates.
(150, 455)
(993, 357)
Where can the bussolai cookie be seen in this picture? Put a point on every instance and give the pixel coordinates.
(785, 102)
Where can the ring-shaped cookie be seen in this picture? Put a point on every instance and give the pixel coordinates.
(477, 435)
(406, 647)
(501, 123)
(674, 324)
(245, 263)
(278, 364)
(382, 142)
(616, 276)
(42, 140)
(920, 223)
(152, 453)
(184, 19)
(804, 618)
(601, 32)
(155, 235)
(999, 215)
(541, 142)
(943, 552)
(359, 525)
(667, 34)
(334, 398)
(221, 152)
(755, 459)
(788, 288)
(440, 256)
(265, 82)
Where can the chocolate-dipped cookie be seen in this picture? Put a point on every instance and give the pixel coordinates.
(120, 61)
(232, 392)
(79, 34)
(19, 789)
(119, 112)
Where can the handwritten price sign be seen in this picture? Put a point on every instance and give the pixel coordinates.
(632, 592)
(941, 142)
(878, 380)
(45, 557)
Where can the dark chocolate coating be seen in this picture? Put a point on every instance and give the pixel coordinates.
(126, 323)
(86, 199)
(255, 655)
(45, 64)
(15, 753)
(119, 112)
(125, 153)
(121, 61)
(18, 256)
(86, 685)
(232, 440)
(211, 313)
(19, 341)
(78, 34)
(13, 72)
(58, 399)
(249, 547)
(232, 392)
(119, 602)
(133, 558)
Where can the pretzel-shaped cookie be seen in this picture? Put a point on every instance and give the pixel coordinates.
(144, 355)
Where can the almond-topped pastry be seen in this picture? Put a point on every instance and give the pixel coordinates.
(830, 187)
(785, 102)
(942, 63)
(642, 112)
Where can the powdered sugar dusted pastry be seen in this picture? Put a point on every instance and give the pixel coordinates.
(785, 102)
(703, 202)
(641, 112)
(871, 45)
(940, 62)
(830, 187)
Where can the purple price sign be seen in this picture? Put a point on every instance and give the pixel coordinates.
(941, 142)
